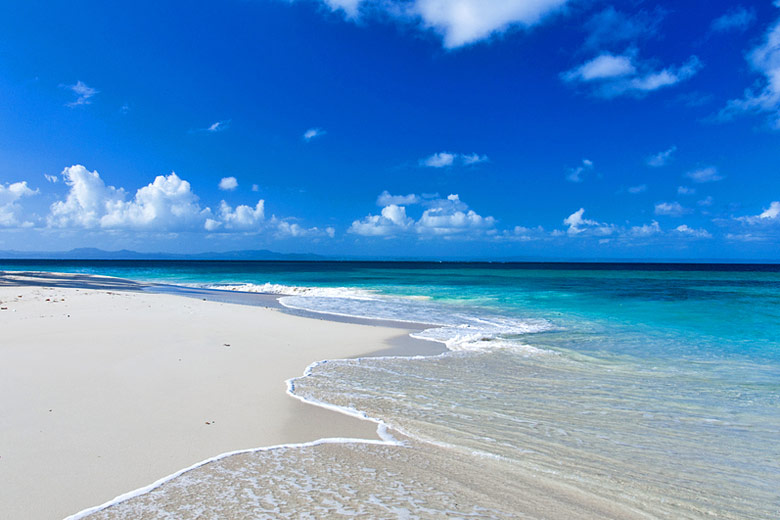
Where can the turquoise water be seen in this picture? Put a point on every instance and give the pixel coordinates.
(655, 385)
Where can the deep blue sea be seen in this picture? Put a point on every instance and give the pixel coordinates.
(655, 384)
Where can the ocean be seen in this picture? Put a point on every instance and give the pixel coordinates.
(592, 390)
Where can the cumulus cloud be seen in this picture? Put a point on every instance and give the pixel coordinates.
(228, 184)
(242, 217)
(670, 209)
(661, 158)
(313, 133)
(10, 209)
(576, 174)
(765, 96)
(451, 216)
(392, 220)
(83, 92)
(736, 19)
(702, 175)
(637, 189)
(610, 76)
(442, 217)
(457, 22)
(445, 159)
(168, 204)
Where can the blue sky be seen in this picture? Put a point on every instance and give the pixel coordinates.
(436, 128)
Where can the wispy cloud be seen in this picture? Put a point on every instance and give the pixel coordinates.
(444, 159)
(671, 209)
(685, 190)
(83, 92)
(313, 133)
(219, 126)
(765, 97)
(661, 158)
(736, 19)
(577, 224)
(709, 174)
(769, 215)
(609, 75)
(637, 189)
(576, 174)
(611, 26)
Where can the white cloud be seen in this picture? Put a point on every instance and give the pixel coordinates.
(439, 160)
(765, 60)
(457, 22)
(646, 230)
(392, 220)
(575, 174)
(313, 133)
(685, 190)
(349, 7)
(473, 158)
(219, 126)
(691, 232)
(168, 204)
(462, 22)
(84, 93)
(451, 216)
(737, 19)
(242, 217)
(769, 215)
(255, 188)
(385, 199)
(228, 184)
(611, 76)
(604, 66)
(51, 178)
(443, 217)
(709, 174)
(285, 229)
(661, 158)
(670, 209)
(445, 159)
(9, 206)
(578, 225)
(637, 189)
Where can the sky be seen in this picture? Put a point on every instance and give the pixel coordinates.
(528, 129)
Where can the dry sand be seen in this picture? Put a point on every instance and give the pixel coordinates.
(105, 391)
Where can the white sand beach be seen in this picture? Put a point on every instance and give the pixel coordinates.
(105, 391)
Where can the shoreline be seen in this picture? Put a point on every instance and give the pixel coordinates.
(293, 421)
